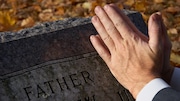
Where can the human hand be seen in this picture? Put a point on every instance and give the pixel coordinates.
(132, 58)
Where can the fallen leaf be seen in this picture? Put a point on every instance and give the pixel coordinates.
(173, 10)
(129, 2)
(175, 58)
(172, 31)
(46, 15)
(46, 3)
(7, 20)
(155, 8)
(87, 5)
(176, 46)
(28, 22)
(78, 11)
(168, 19)
(60, 11)
(140, 5)
(160, 1)
(178, 2)
(37, 8)
(171, 3)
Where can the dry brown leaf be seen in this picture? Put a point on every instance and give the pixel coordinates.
(6, 20)
(155, 8)
(60, 11)
(168, 19)
(173, 10)
(47, 3)
(160, 1)
(176, 46)
(175, 58)
(140, 5)
(178, 2)
(129, 2)
(46, 15)
(177, 18)
(28, 22)
(172, 31)
(171, 3)
(78, 11)
(87, 5)
(37, 8)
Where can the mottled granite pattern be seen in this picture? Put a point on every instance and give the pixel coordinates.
(55, 61)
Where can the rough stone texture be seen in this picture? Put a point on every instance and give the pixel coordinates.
(67, 23)
(56, 62)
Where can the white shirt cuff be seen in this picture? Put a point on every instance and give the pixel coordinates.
(175, 80)
(151, 89)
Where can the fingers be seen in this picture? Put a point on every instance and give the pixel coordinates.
(100, 47)
(102, 32)
(119, 21)
(155, 33)
(129, 22)
(112, 26)
(107, 23)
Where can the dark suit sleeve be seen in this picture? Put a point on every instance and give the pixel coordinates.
(167, 94)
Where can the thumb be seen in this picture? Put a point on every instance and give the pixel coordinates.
(155, 32)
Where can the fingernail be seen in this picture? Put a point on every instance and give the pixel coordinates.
(159, 13)
(97, 9)
(92, 37)
(157, 18)
(106, 6)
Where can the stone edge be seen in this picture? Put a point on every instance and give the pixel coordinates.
(48, 27)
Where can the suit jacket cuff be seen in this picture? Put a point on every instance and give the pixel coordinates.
(151, 89)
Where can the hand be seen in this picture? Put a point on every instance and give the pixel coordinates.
(132, 58)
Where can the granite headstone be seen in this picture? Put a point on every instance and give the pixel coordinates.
(55, 61)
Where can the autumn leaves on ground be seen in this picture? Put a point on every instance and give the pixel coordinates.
(18, 14)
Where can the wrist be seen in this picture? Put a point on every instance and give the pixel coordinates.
(137, 87)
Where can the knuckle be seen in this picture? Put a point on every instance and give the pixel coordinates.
(104, 55)
(111, 29)
(118, 23)
(107, 38)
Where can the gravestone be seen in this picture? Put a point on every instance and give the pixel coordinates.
(55, 61)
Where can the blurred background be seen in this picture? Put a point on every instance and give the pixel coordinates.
(19, 14)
